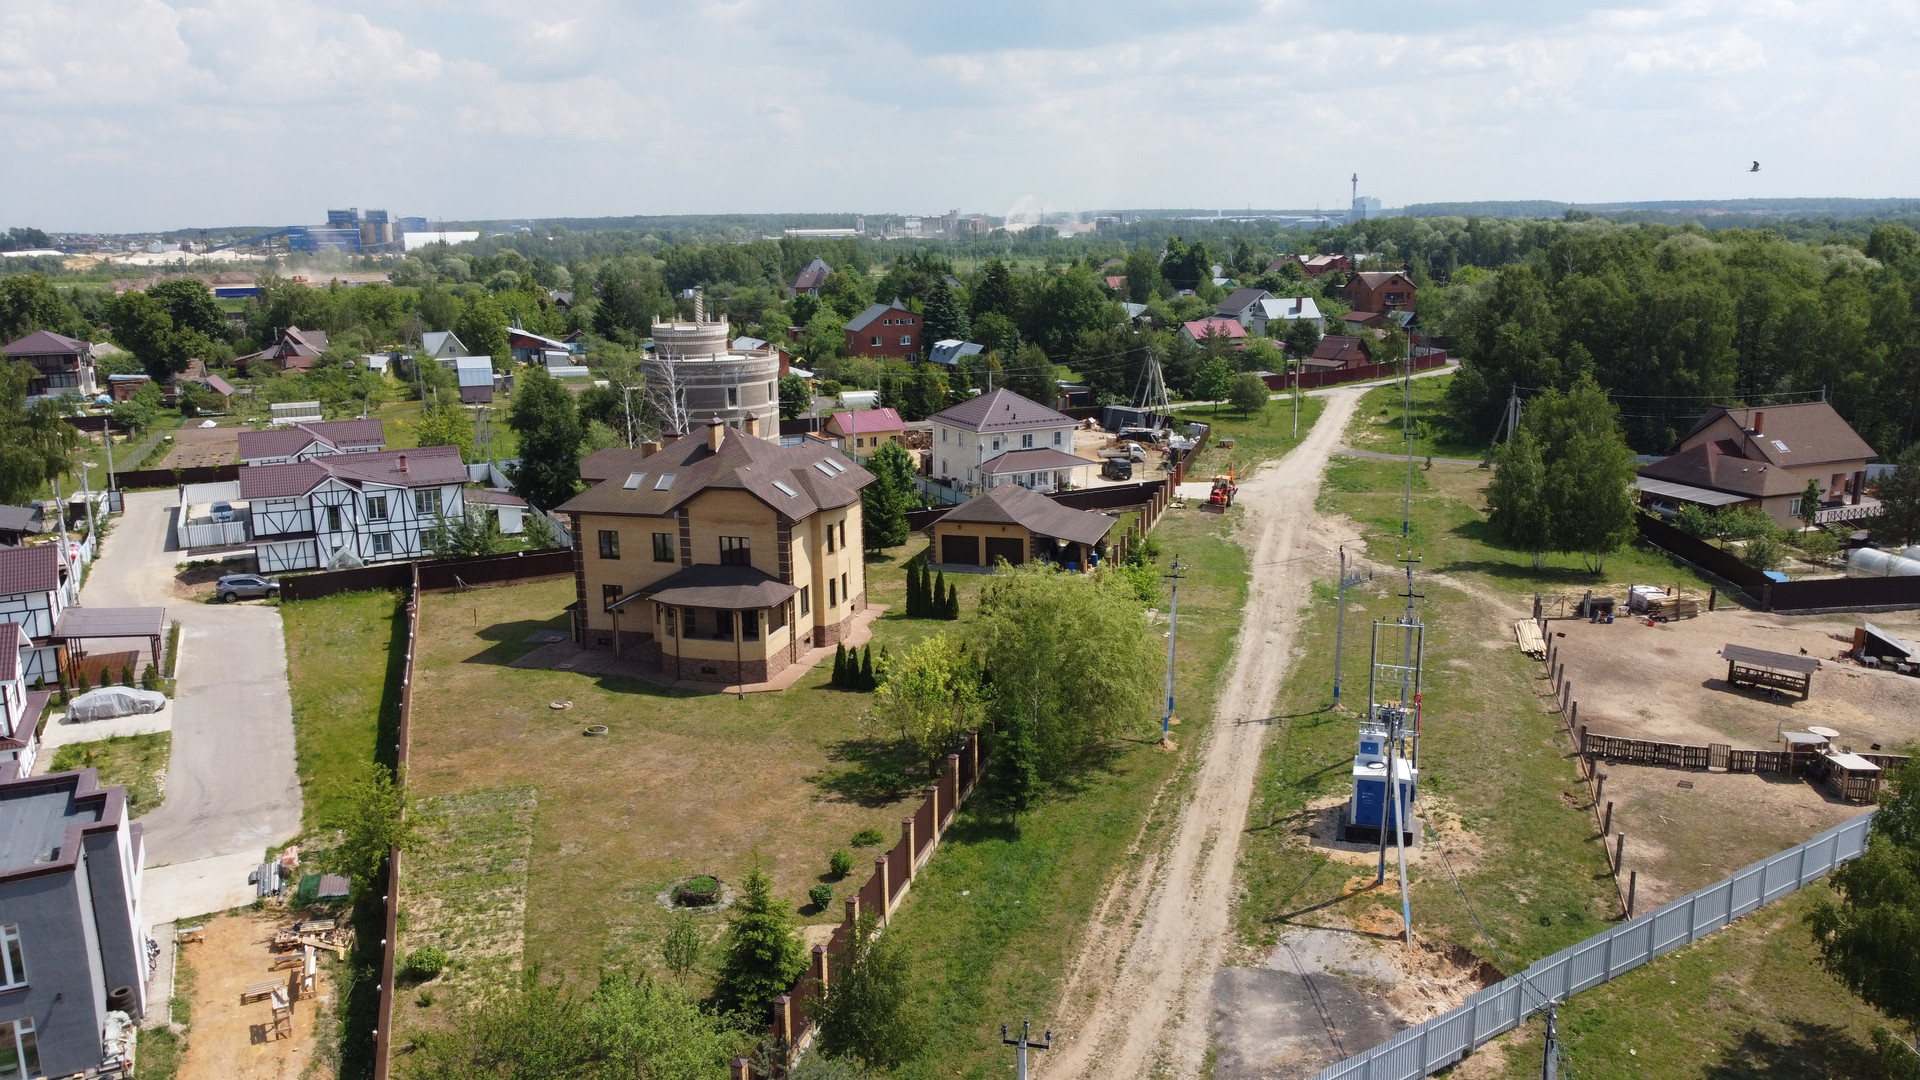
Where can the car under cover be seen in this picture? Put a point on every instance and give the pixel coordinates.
(111, 701)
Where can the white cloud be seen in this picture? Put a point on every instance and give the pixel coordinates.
(234, 111)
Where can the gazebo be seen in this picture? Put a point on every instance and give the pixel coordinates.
(83, 623)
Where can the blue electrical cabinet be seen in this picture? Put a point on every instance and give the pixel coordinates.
(1371, 806)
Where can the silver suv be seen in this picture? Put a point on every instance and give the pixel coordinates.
(245, 587)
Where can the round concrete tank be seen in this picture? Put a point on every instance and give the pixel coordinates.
(714, 380)
(1872, 562)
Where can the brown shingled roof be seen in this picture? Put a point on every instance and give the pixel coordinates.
(29, 569)
(1000, 410)
(1811, 432)
(1011, 504)
(794, 480)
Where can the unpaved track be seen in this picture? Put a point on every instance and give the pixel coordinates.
(1138, 997)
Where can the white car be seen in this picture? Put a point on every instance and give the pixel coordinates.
(111, 701)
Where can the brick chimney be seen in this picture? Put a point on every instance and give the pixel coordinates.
(1759, 422)
(648, 449)
(751, 425)
(403, 463)
(716, 431)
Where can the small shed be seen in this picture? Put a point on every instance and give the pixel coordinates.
(1876, 647)
(475, 375)
(508, 510)
(1761, 669)
(1012, 523)
(1852, 777)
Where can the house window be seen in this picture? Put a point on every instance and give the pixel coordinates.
(906, 339)
(1793, 507)
(426, 501)
(776, 617)
(943, 434)
(673, 629)
(333, 519)
(750, 626)
(382, 543)
(376, 508)
(844, 591)
(996, 444)
(1026, 441)
(13, 968)
(876, 341)
(1056, 438)
(833, 594)
(19, 1050)
(662, 547)
(735, 551)
(943, 466)
(830, 548)
(609, 544)
(688, 624)
(806, 600)
(843, 532)
(608, 594)
(733, 397)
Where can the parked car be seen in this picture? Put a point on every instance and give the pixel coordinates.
(111, 701)
(1116, 468)
(245, 587)
(221, 511)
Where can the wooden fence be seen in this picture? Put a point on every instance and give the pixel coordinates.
(1816, 595)
(435, 574)
(390, 936)
(1313, 380)
(893, 873)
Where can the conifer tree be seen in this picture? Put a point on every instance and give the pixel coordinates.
(840, 665)
(866, 667)
(938, 607)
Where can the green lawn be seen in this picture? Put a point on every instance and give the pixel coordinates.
(345, 678)
(1262, 436)
(1748, 1003)
(137, 761)
(1378, 425)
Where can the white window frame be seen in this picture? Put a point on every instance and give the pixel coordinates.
(426, 501)
(382, 543)
(1793, 506)
(26, 1048)
(376, 508)
(1056, 436)
(12, 958)
(1026, 441)
(906, 339)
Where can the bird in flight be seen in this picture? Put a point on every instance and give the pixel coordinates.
(1756, 167)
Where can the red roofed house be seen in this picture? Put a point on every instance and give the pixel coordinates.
(36, 586)
(1337, 351)
(1391, 291)
(61, 365)
(342, 510)
(1197, 331)
(296, 350)
(1314, 265)
(861, 433)
(1117, 282)
(1764, 457)
(315, 438)
(885, 330)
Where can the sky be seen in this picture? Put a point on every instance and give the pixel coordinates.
(126, 115)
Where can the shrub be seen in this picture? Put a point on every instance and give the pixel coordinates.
(821, 895)
(84, 684)
(868, 838)
(1764, 553)
(697, 892)
(1819, 545)
(150, 678)
(425, 962)
(840, 863)
(126, 675)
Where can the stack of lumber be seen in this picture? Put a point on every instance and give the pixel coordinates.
(1665, 608)
(1527, 633)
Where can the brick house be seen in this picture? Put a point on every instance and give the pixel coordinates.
(1313, 265)
(809, 280)
(885, 330)
(1391, 291)
(296, 350)
(719, 557)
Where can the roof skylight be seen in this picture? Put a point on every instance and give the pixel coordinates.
(634, 480)
(665, 482)
(785, 489)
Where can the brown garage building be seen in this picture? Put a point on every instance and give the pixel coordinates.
(1018, 525)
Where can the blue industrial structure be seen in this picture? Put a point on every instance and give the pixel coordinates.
(349, 231)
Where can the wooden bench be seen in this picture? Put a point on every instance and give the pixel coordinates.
(256, 991)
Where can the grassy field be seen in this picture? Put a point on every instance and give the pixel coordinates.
(137, 761)
(1378, 425)
(1748, 1002)
(345, 678)
(1262, 436)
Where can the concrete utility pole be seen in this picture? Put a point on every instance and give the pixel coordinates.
(1550, 1062)
(1023, 1044)
(1173, 619)
(1340, 625)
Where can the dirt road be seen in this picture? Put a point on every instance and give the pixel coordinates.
(1138, 998)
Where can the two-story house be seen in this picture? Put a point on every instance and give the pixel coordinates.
(1766, 457)
(311, 439)
(20, 707)
(720, 556)
(61, 365)
(37, 584)
(1001, 437)
(72, 928)
(349, 509)
(1274, 315)
(809, 280)
(885, 330)
(1391, 291)
(442, 345)
(1241, 305)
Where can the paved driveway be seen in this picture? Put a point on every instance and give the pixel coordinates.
(231, 786)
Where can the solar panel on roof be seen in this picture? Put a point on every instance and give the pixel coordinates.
(633, 480)
(665, 482)
(785, 490)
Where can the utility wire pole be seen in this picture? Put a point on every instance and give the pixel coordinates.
(1025, 1043)
(1550, 1061)
(1340, 624)
(1173, 620)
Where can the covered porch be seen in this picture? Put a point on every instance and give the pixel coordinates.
(731, 624)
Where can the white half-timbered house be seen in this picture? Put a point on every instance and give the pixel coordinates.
(36, 585)
(349, 509)
(315, 438)
(20, 708)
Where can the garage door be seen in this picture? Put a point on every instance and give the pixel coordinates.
(1014, 550)
(964, 550)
